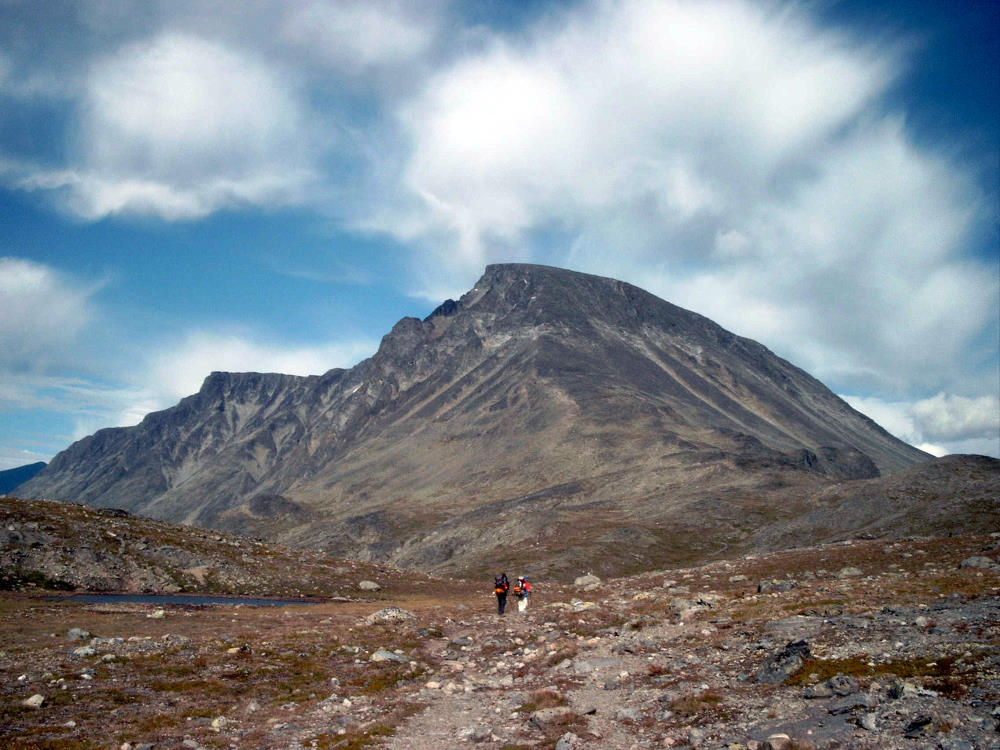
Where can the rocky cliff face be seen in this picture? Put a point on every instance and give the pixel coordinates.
(545, 415)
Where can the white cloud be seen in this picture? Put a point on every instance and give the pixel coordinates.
(950, 417)
(686, 106)
(730, 156)
(945, 423)
(362, 34)
(12, 457)
(179, 127)
(179, 370)
(42, 314)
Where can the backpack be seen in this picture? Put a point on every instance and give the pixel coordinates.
(500, 585)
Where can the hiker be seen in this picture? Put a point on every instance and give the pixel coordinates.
(501, 585)
(522, 590)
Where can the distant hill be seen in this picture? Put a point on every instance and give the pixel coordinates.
(547, 418)
(11, 478)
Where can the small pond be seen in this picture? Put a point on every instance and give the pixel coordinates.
(181, 599)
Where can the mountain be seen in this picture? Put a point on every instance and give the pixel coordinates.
(11, 478)
(547, 418)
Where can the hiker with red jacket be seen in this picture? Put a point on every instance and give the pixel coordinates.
(522, 590)
(501, 585)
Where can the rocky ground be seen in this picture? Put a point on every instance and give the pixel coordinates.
(863, 644)
(66, 547)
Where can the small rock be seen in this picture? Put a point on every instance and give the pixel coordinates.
(385, 655)
(867, 722)
(219, 722)
(157, 615)
(977, 561)
(784, 664)
(545, 716)
(479, 733)
(628, 714)
(850, 572)
(843, 684)
(767, 587)
(586, 580)
(389, 614)
(696, 736)
(777, 742)
(83, 651)
(35, 701)
(568, 741)
(954, 743)
(369, 586)
(849, 703)
(77, 634)
(917, 727)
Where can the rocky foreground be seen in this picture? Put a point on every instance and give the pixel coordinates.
(863, 644)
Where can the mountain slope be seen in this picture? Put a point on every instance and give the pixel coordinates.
(546, 408)
(11, 478)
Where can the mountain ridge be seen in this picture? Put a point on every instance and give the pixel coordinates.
(597, 398)
(18, 475)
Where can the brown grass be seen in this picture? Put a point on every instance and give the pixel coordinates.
(696, 704)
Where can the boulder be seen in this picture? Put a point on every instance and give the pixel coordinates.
(545, 716)
(389, 614)
(385, 655)
(777, 742)
(35, 701)
(479, 733)
(784, 664)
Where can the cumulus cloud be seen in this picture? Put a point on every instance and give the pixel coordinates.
(941, 424)
(684, 106)
(42, 314)
(179, 127)
(358, 35)
(179, 369)
(733, 157)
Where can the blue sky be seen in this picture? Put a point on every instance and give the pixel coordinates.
(197, 186)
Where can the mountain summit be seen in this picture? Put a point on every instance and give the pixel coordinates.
(545, 418)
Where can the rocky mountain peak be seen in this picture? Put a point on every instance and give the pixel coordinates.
(605, 413)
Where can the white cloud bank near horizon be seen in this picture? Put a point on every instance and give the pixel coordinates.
(731, 156)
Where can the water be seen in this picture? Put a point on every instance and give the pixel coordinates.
(180, 599)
